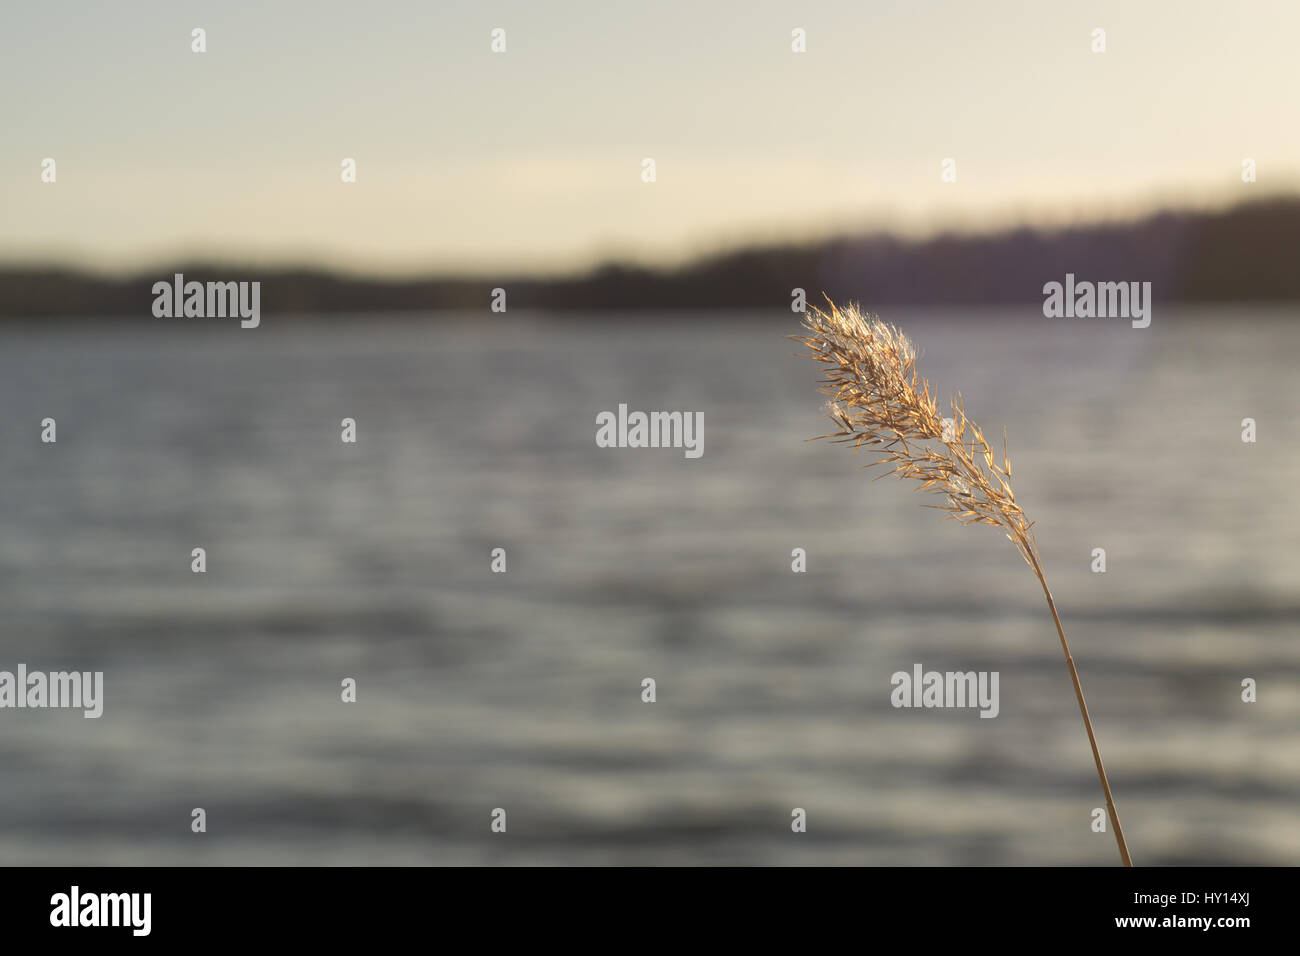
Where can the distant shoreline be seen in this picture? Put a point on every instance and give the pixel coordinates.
(1248, 253)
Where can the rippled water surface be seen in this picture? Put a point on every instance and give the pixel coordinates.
(523, 690)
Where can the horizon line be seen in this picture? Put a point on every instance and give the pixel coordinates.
(1060, 221)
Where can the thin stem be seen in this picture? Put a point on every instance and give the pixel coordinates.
(878, 399)
(1083, 709)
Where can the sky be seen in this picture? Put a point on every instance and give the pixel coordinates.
(532, 159)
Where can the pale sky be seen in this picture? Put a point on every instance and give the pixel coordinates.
(531, 159)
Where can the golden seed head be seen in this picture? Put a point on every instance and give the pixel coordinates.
(878, 399)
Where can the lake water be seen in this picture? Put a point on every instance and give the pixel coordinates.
(522, 690)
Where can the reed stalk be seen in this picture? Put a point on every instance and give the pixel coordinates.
(878, 399)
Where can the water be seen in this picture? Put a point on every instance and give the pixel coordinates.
(523, 690)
